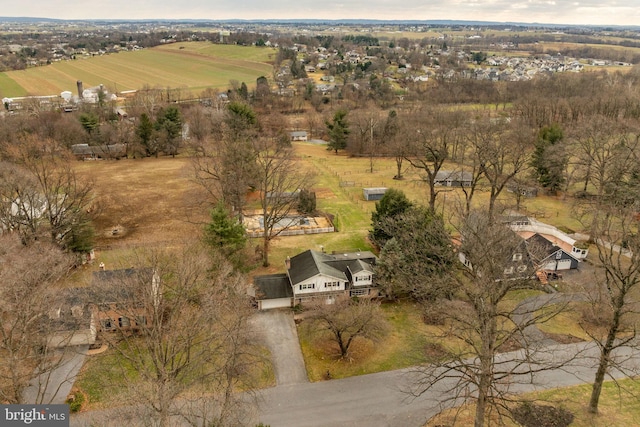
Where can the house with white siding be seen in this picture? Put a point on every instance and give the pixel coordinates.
(312, 274)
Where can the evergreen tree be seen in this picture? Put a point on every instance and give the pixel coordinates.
(416, 261)
(307, 202)
(144, 132)
(224, 232)
(243, 91)
(393, 203)
(169, 124)
(549, 158)
(338, 130)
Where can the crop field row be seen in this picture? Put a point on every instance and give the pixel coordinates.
(192, 66)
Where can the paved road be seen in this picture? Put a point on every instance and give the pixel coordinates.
(378, 400)
(281, 337)
(381, 400)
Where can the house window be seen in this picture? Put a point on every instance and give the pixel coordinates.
(124, 322)
(141, 320)
(331, 284)
(106, 324)
(307, 286)
(508, 270)
(559, 255)
(517, 257)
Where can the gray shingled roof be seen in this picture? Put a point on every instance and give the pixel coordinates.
(360, 265)
(273, 286)
(311, 263)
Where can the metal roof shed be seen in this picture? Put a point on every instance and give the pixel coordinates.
(374, 193)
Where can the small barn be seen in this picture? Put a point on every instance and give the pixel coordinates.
(374, 193)
(524, 190)
(454, 178)
(298, 136)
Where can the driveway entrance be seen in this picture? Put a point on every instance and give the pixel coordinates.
(279, 333)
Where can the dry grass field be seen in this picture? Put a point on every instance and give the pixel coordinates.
(156, 202)
(192, 66)
(617, 408)
(149, 201)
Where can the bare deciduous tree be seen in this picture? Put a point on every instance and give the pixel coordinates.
(502, 151)
(45, 193)
(436, 132)
(617, 278)
(483, 324)
(181, 333)
(27, 277)
(347, 320)
(279, 183)
(225, 163)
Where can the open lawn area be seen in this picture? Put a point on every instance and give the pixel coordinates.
(191, 66)
(619, 406)
(405, 344)
(409, 341)
(156, 201)
(105, 376)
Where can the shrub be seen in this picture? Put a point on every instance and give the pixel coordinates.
(75, 402)
(529, 414)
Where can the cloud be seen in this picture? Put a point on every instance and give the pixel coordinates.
(606, 12)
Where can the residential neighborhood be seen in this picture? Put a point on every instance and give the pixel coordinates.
(362, 223)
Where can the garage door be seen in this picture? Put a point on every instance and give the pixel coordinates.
(564, 264)
(268, 304)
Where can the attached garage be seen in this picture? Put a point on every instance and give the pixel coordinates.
(564, 264)
(273, 291)
(268, 304)
(560, 260)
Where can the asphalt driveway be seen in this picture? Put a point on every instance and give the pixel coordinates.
(279, 334)
(54, 386)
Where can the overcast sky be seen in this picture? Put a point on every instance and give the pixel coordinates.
(594, 12)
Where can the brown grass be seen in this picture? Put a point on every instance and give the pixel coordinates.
(150, 201)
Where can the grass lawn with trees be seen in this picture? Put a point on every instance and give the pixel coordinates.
(156, 202)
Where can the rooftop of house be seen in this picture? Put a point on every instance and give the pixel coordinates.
(273, 286)
(444, 175)
(552, 241)
(311, 263)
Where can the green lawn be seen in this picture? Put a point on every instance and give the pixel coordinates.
(405, 344)
(191, 66)
(103, 378)
(9, 88)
